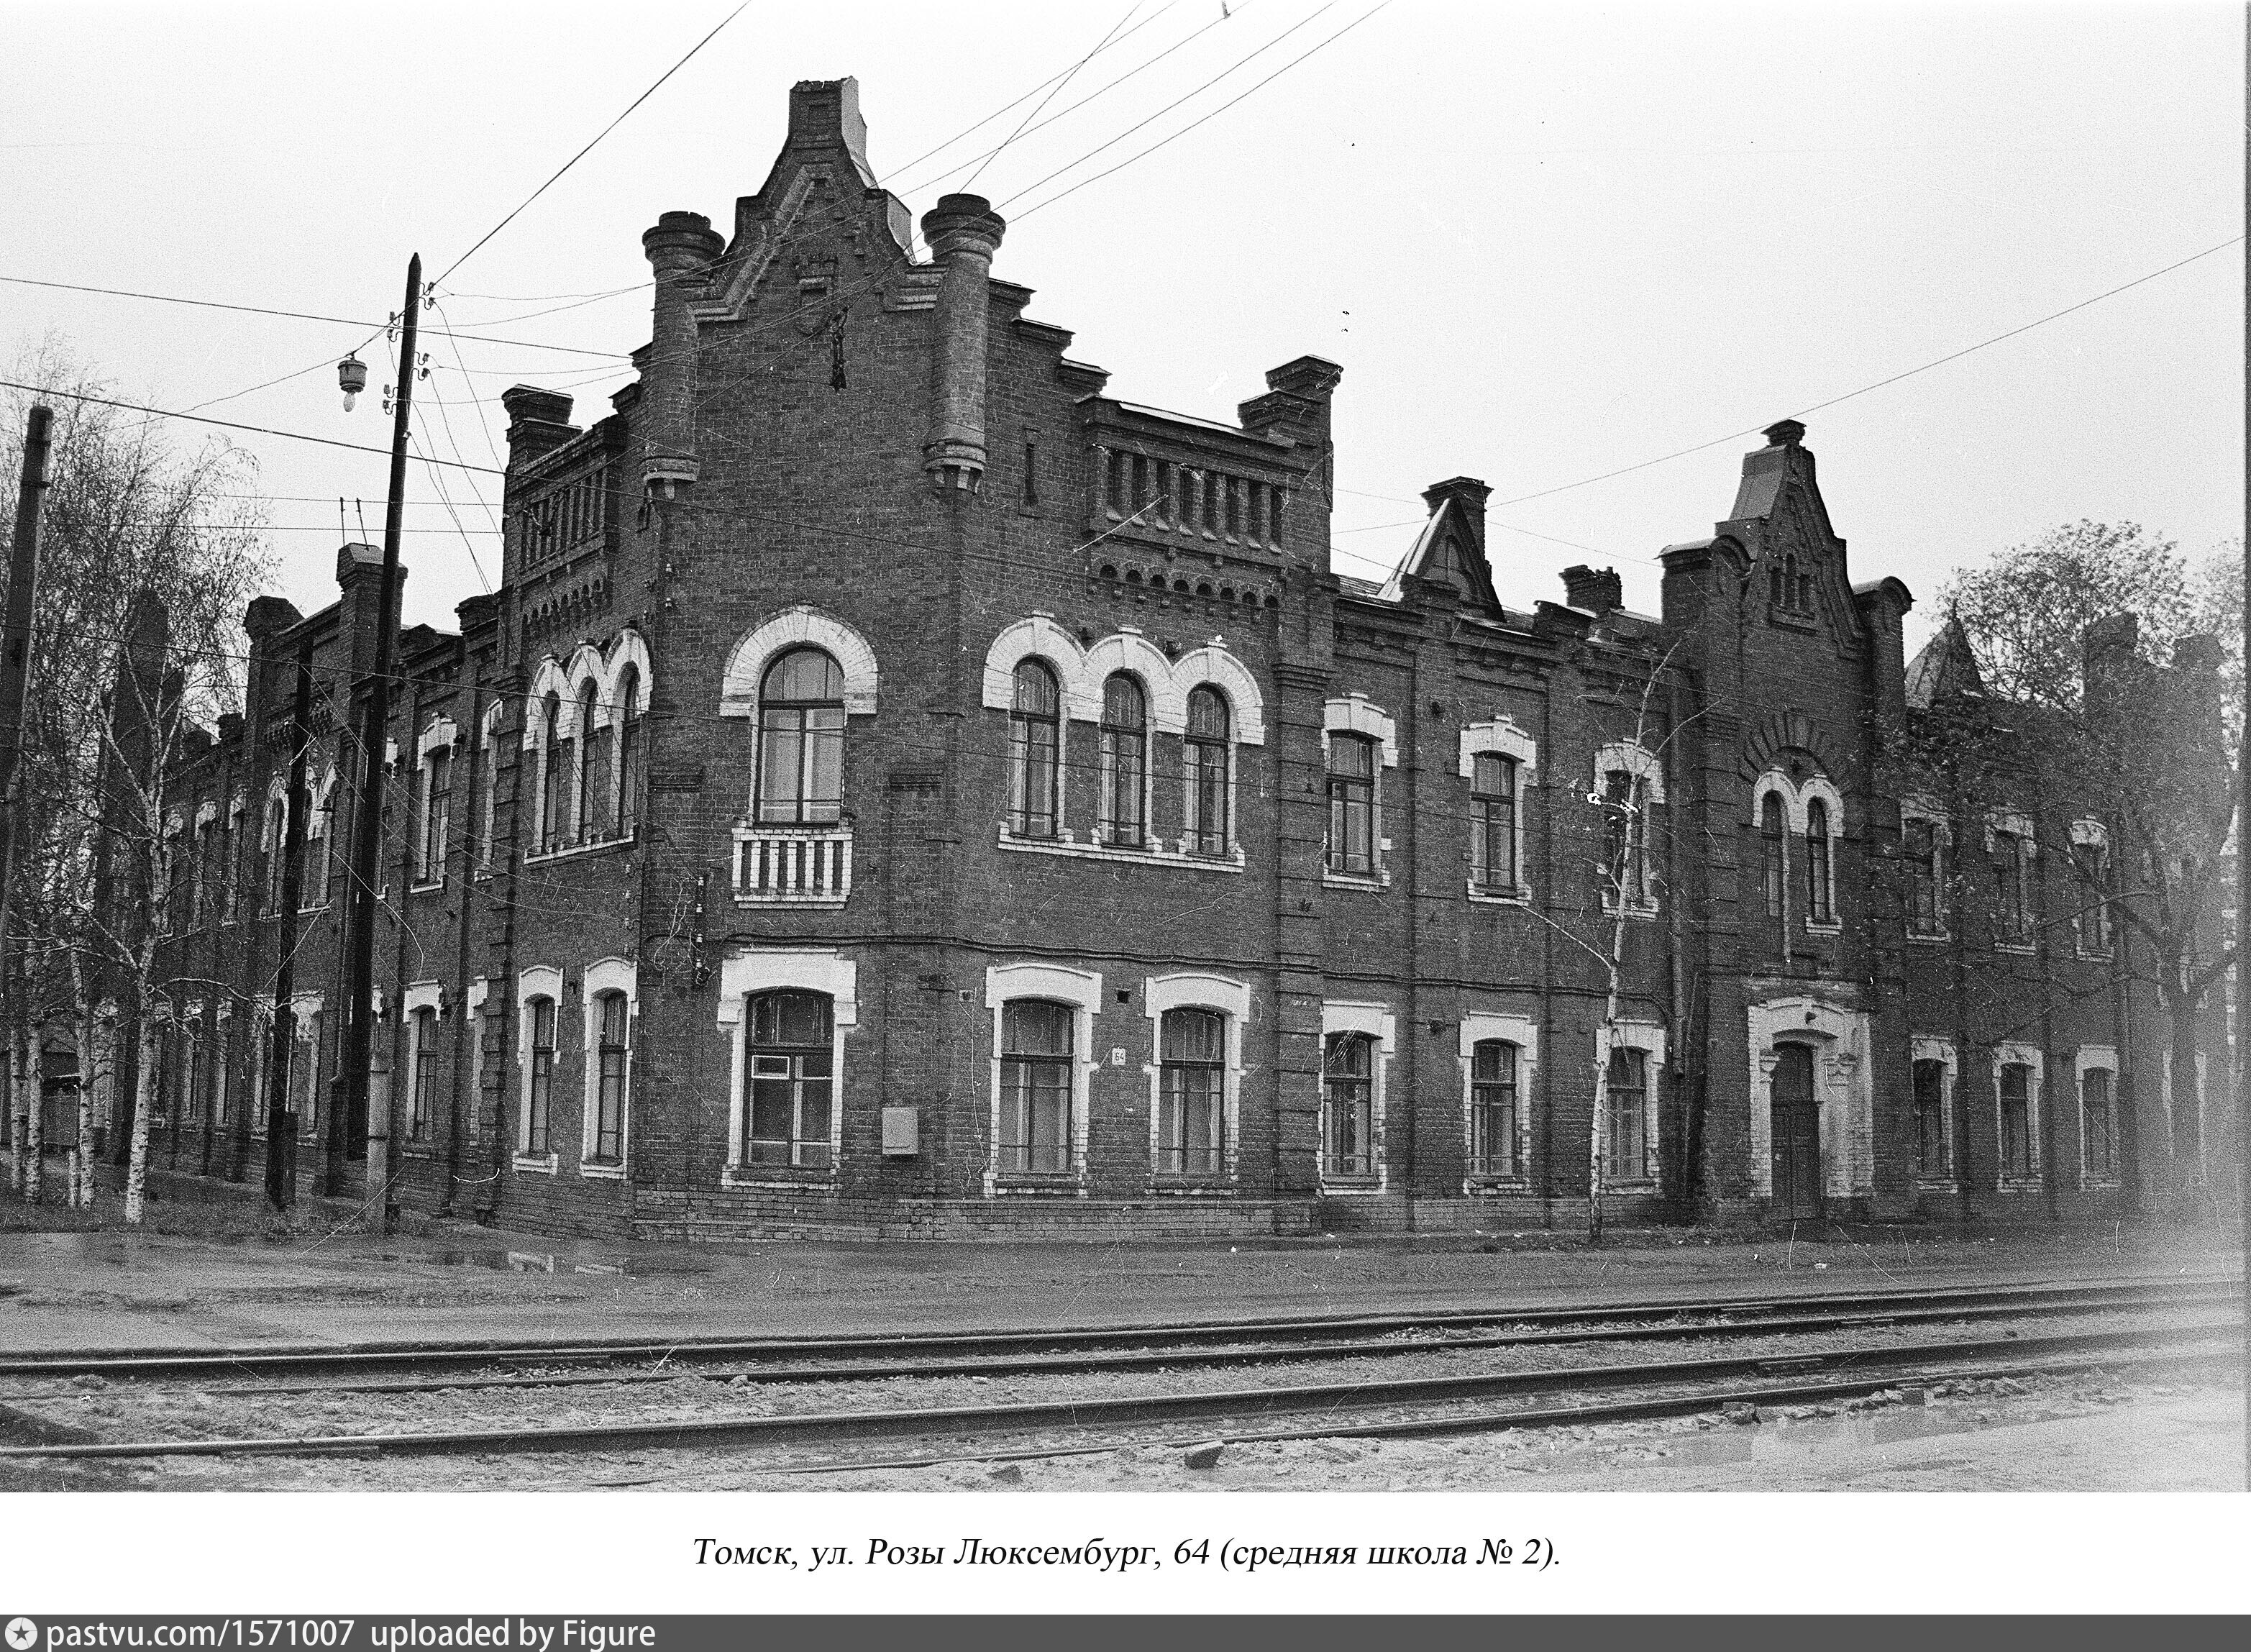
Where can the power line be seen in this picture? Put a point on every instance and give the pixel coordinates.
(597, 138)
(1069, 74)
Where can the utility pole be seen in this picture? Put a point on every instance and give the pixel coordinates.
(2242, 1051)
(375, 717)
(280, 1122)
(15, 681)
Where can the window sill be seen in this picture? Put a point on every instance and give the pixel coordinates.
(536, 1164)
(575, 851)
(1481, 896)
(2092, 957)
(1629, 1184)
(1192, 1187)
(1478, 1183)
(1813, 928)
(1931, 937)
(2016, 949)
(1368, 882)
(601, 1172)
(2099, 1184)
(419, 1150)
(1637, 909)
(2019, 1184)
(779, 1178)
(1936, 1184)
(1019, 1186)
(1352, 1184)
(435, 886)
(1154, 855)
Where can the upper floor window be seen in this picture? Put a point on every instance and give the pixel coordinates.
(422, 1095)
(1492, 823)
(1191, 1094)
(1352, 804)
(2013, 886)
(1820, 906)
(1790, 585)
(1494, 1109)
(593, 776)
(612, 1034)
(1124, 762)
(320, 849)
(793, 1078)
(554, 776)
(1348, 1104)
(437, 810)
(631, 758)
(1626, 837)
(1926, 874)
(1774, 869)
(2090, 865)
(1035, 1086)
(539, 1077)
(1206, 750)
(1625, 1115)
(1034, 749)
(487, 802)
(277, 851)
(801, 739)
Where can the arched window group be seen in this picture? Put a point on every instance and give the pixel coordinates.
(1797, 879)
(588, 742)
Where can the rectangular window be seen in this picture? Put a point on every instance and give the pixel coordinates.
(613, 1025)
(1191, 1094)
(2096, 1124)
(1492, 823)
(422, 1098)
(437, 807)
(1036, 1088)
(2091, 862)
(1352, 805)
(1625, 809)
(1492, 1109)
(540, 1081)
(1625, 1118)
(2012, 908)
(1931, 1148)
(1348, 1105)
(2018, 1160)
(310, 1110)
(792, 1078)
(1925, 912)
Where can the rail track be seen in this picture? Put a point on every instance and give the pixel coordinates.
(2162, 1324)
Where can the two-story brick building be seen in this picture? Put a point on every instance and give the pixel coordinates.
(900, 788)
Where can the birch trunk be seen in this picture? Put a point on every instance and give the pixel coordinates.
(89, 1059)
(136, 1169)
(27, 1079)
(18, 1126)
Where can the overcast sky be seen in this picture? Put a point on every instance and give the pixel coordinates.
(1545, 242)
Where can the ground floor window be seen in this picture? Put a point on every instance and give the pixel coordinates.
(539, 1077)
(793, 1078)
(2018, 1162)
(423, 1096)
(310, 1110)
(1492, 1109)
(612, 1024)
(1625, 1116)
(1191, 1097)
(1035, 1059)
(1348, 1104)
(1930, 1145)
(2097, 1126)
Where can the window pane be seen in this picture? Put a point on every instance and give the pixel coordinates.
(1192, 1035)
(1037, 694)
(1029, 1027)
(1352, 755)
(803, 675)
(1207, 715)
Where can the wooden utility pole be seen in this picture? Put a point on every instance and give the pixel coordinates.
(2242, 1040)
(281, 1123)
(15, 683)
(375, 717)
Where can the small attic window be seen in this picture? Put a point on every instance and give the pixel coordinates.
(1790, 585)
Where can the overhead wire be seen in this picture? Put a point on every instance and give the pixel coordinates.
(988, 158)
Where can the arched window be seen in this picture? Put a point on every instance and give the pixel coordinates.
(1925, 912)
(1208, 748)
(1932, 1151)
(1034, 748)
(2012, 914)
(436, 815)
(277, 851)
(1348, 1104)
(1352, 805)
(422, 1057)
(1121, 821)
(539, 1080)
(1191, 1094)
(1774, 861)
(320, 850)
(801, 739)
(1626, 836)
(1492, 823)
(1494, 1109)
(1035, 1086)
(793, 1078)
(593, 777)
(487, 785)
(310, 1110)
(614, 1033)
(627, 715)
(554, 772)
(1818, 907)
(2090, 862)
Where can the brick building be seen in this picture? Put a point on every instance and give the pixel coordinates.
(900, 788)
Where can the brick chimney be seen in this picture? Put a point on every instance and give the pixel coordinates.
(538, 422)
(964, 232)
(680, 244)
(1597, 590)
(1471, 494)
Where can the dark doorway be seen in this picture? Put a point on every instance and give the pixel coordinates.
(58, 1099)
(1796, 1131)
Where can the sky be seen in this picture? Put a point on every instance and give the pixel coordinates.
(1545, 243)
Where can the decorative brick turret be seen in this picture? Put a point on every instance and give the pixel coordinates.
(680, 244)
(964, 232)
(1597, 590)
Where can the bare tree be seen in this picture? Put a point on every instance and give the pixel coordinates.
(148, 553)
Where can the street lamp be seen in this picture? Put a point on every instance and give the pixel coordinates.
(351, 375)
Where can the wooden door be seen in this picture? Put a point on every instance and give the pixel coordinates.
(1796, 1135)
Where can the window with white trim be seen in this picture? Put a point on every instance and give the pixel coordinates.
(2017, 1075)
(1207, 749)
(612, 1033)
(792, 1078)
(1038, 1057)
(801, 739)
(1925, 841)
(593, 771)
(1495, 1103)
(537, 1137)
(554, 778)
(1121, 815)
(1774, 872)
(1934, 1150)
(1352, 799)
(433, 818)
(1629, 784)
(422, 1070)
(1820, 866)
(1348, 1105)
(632, 755)
(1035, 751)
(2098, 1123)
(1493, 823)
(1192, 1092)
(1625, 1115)
(2091, 890)
(2010, 846)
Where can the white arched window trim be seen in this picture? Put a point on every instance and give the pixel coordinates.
(418, 995)
(540, 980)
(1189, 990)
(1128, 650)
(2028, 1055)
(1356, 714)
(1040, 637)
(1379, 1022)
(1479, 1027)
(1246, 706)
(743, 974)
(800, 626)
(627, 649)
(606, 976)
(1058, 984)
(1940, 1050)
(1503, 736)
(2006, 820)
(488, 800)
